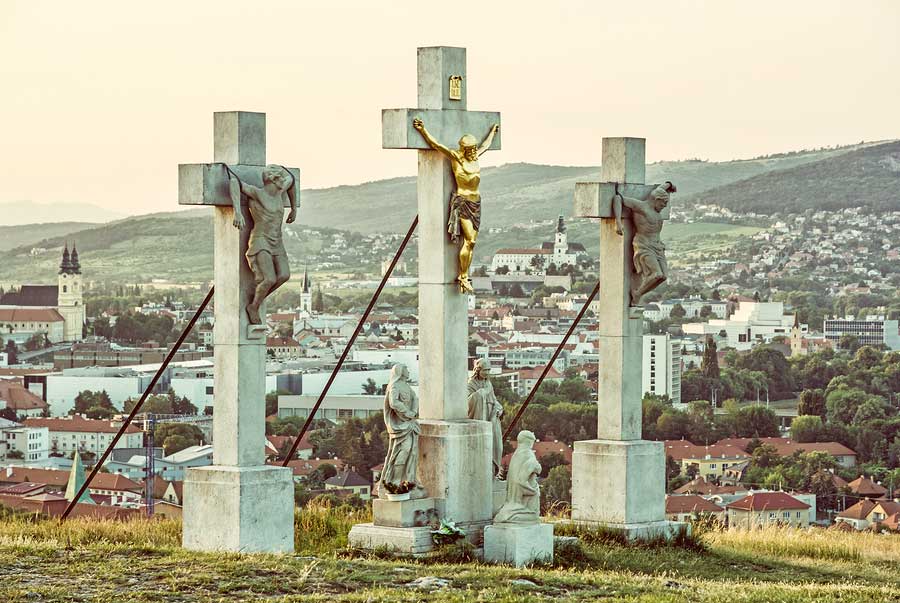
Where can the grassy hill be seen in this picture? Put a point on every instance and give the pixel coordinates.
(867, 177)
(521, 204)
(141, 562)
(25, 235)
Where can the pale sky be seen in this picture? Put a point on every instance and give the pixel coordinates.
(101, 100)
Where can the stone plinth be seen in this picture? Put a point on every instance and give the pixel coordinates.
(410, 541)
(455, 465)
(621, 486)
(406, 513)
(519, 545)
(499, 497)
(239, 509)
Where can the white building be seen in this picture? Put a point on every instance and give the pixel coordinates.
(558, 252)
(85, 435)
(32, 442)
(408, 355)
(170, 468)
(871, 330)
(753, 323)
(334, 408)
(693, 306)
(662, 367)
(119, 382)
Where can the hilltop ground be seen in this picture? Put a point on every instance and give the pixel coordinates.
(141, 562)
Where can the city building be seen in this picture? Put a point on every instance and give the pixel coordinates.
(21, 401)
(334, 408)
(558, 252)
(306, 295)
(350, 481)
(687, 507)
(753, 323)
(33, 443)
(102, 353)
(662, 366)
(54, 310)
(169, 468)
(759, 509)
(76, 433)
(870, 330)
(710, 461)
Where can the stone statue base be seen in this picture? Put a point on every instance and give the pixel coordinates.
(519, 544)
(239, 509)
(499, 487)
(408, 541)
(621, 486)
(414, 513)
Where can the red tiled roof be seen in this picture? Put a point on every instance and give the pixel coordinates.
(20, 399)
(863, 486)
(58, 478)
(768, 501)
(30, 315)
(23, 489)
(78, 424)
(690, 503)
(534, 373)
(281, 342)
(699, 485)
(683, 449)
(787, 447)
(860, 510)
(347, 479)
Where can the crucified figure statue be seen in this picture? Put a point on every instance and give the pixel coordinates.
(650, 263)
(265, 252)
(465, 203)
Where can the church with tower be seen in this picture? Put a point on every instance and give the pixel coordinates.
(54, 310)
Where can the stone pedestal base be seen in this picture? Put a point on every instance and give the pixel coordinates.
(406, 513)
(519, 545)
(619, 483)
(410, 541)
(239, 509)
(455, 465)
(641, 532)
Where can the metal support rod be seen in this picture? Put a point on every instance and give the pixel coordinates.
(359, 326)
(559, 348)
(137, 407)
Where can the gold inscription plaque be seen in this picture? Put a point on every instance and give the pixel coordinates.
(455, 87)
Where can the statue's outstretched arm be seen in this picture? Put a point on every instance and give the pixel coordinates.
(434, 144)
(486, 144)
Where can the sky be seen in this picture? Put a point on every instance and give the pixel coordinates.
(101, 100)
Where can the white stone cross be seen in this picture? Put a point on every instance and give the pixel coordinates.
(618, 479)
(238, 503)
(455, 452)
(443, 316)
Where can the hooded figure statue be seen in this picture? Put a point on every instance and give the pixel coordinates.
(523, 494)
(401, 413)
(484, 406)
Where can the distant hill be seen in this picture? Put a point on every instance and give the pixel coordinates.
(178, 245)
(867, 177)
(29, 212)
(522, 192)
(28, 234)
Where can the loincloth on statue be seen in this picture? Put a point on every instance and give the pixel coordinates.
(648, 255)
(463, 208)
(258, 244)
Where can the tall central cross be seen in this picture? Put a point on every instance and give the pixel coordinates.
(618, 480)
(239, 503)
(455, 452)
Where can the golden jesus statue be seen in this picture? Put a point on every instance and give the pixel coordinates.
(465, 203)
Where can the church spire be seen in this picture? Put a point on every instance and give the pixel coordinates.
(76, 479)
(561, 224)
(76, 265)
(65, 267)
(306, 280)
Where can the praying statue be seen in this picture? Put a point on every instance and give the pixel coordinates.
(523, 494)
(650, 263)
(265, 252)
(465, 203)
(484, 406)
(401, 419)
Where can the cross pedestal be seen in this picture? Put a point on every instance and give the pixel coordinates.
(454, 451)
(239, 503)
(619, 480)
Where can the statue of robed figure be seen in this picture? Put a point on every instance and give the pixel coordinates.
(484, 406)
(523, 494)
(401, 419)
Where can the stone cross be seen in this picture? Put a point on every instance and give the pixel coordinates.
(238, 503)
(443, 316)
(618, 479)
(454, 451)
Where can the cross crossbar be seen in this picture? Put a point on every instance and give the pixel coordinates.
(594, 199)
(446, 125)
(208, 183)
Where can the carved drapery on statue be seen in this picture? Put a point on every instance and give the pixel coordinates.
(401, 420)
(523, 494)
(484, 406)
(465, 204)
